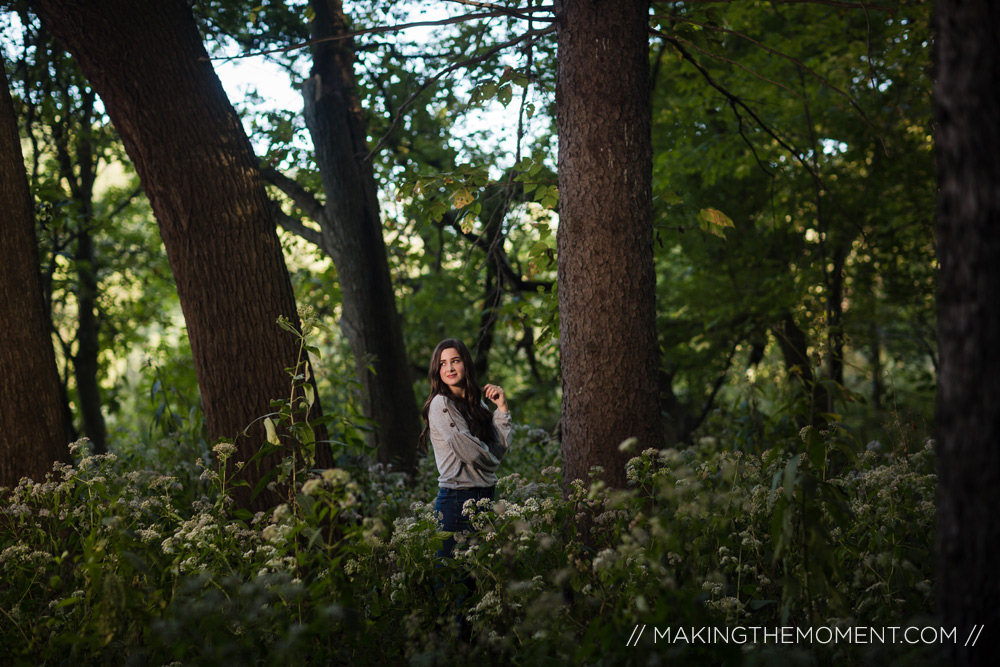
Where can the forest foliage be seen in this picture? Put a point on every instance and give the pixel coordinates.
(124, 557)
(793, 202)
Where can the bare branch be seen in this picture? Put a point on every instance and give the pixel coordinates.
(743, 67)
(868, 51)
(296, 227)
(838, 3)
(302, 198)
(780, 54)
(830, 3)
(654, 73)
(717, 385)
(503, 261)
(518, 12)
(736, 103)
(372, 31)
(532, 35)
(124, 203)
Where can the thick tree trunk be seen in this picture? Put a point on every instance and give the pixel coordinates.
(147, 62)
(353, 235)
(33, 430)
(967, 101)
(608, 346)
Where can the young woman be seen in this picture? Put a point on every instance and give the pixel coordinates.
(468, 441)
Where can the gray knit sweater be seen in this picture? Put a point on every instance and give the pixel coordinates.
(463, 460)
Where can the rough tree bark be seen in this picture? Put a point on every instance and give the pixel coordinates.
(352, 234)
(33, 429)
(967, 106)
(608, 347)
(147, 62)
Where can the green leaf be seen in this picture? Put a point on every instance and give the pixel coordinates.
(243, 514)
(788, 483)
(505, 94)
(484, 92)
(754, 605)
(671, 198)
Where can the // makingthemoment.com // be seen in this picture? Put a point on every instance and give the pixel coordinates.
(751, 634)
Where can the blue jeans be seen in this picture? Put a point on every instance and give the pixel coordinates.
(449, 508)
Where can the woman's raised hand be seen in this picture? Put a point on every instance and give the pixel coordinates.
(494, 392)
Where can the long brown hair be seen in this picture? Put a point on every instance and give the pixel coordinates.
(470, 406)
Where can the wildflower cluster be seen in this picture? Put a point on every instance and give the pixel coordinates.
(116, 563)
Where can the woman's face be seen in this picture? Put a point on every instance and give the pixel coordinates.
(452, 371)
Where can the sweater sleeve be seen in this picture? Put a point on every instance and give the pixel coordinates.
(505, 431)
(469, 449)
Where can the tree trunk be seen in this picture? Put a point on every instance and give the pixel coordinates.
(85, 362)
(875, 356)
(33, 430)
(608, 346)
(496, 203)
(147, 62)
(78, 168)
(353, 235)
(835, 320)
(967, 106)
(794, 345)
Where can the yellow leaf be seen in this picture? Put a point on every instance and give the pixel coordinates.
(466, 223)
(462, 198)
(716, 217)
(272, 435)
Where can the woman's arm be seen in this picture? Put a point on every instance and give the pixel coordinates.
(501, 420)
(448, 423)
(504, 429)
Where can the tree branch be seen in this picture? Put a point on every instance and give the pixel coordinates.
(296, 227)
(780, 54)
(302, 198)
(838, 3)
(735, 102)
(374, 31)
(830, 3)
(124, 203)
(743, 67)
(719, 381)
(509, 11)
(503, 261)
(533, 35)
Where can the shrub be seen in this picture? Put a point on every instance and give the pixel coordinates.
(106, 564)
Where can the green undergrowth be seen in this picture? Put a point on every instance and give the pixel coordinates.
(106, 563)
(141, 558)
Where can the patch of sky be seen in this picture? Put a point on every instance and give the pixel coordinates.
(833, 147)
(257, 84)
